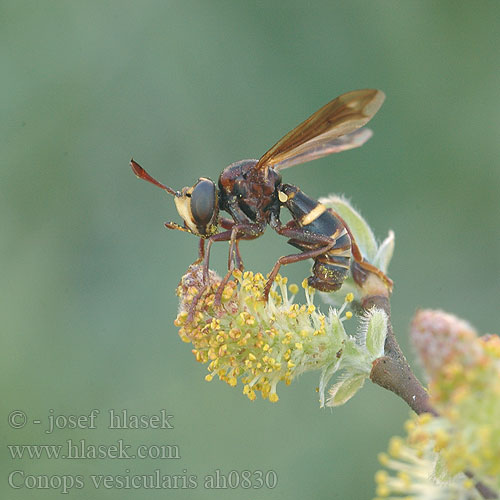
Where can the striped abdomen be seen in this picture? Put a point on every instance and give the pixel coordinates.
(330, 268)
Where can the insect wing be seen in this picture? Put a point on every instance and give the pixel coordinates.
(324, 145)
(339, 117)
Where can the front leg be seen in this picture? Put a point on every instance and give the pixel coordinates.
(205, 257)
(238, 232)
(229, 224)
(247, 228)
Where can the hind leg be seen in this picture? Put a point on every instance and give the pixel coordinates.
(360, 267)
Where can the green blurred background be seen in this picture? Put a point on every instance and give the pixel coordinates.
(89, 273)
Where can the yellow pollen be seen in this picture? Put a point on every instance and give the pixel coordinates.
(405, 478)
(395, 446)
(234, 333)
(442, 439)
(468, 484)
(424, 418)
(383, 459)
(383, 491)
(381, 476)
(409, 426)
(349, 297)
(294, 289)
(348, 314)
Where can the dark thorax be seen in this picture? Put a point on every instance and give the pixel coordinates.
(250, 195)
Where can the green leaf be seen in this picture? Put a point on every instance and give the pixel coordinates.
(384, 253)
(344, 390)
(359, 227)
(326, 374)
(376, 331)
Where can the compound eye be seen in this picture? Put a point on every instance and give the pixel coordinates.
(203, 201)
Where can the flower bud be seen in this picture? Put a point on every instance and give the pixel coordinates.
(361, 283)
(464, 372)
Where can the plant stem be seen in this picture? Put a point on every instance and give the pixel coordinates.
(392, 372)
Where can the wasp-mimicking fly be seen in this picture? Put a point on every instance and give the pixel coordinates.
(252, 193)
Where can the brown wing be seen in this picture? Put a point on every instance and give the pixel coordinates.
(319, 135)
(324, 145)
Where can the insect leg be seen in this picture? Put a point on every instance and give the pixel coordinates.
(360, 267)
(205, 257)
(201, 251)
(238, 231)
(173, 225)
(289, 259)
(291, 230)
(226, 223)
(237, 257)
(224, 236)
(229, 224)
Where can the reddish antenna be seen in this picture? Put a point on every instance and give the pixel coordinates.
(142, 174)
